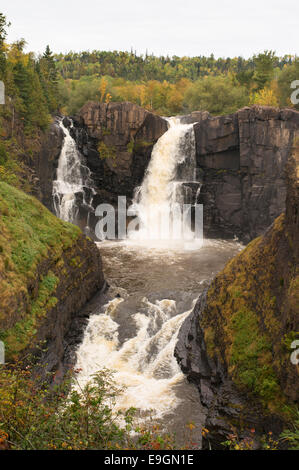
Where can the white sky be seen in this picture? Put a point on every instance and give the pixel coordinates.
(174, 27)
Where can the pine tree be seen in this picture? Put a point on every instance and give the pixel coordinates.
(3, 25)
(264, 69)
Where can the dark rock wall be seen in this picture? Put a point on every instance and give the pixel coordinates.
(116, 139)
(241, 158)
(236, 346)
(80, 274)
(46, 162)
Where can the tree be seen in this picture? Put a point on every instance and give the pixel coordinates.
(103, 88)
(267, 96)
(264, 69)
(3, 25)
(218, 95)
(47, 71)
(288, 74)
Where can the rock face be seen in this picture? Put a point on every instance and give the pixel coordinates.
(46, 162)
(80, 275)
(116, 139)
(241, 158)
(237, 344)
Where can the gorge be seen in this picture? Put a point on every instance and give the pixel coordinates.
(162, 299)
(237, 173)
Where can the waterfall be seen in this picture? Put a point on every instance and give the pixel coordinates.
(72, 189)
(169, 183)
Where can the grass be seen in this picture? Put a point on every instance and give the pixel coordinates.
(29, 236)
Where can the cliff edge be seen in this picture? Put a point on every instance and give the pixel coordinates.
(236, 346)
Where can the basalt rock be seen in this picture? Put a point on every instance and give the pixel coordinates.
(242, 158)
(46, 162)
(116, 139)
(237, 344)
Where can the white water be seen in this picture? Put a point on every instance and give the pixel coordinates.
(159, 201)
(135, 332)
(143, 364)
(72, 178)
(144, 361)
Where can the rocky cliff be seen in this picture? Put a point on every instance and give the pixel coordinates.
(236, 346)
(240, 160)
(117, 140)
(46, 161)
(48, 271)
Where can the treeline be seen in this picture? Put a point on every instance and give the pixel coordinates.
(31, 97)
(176, 85)
(132, 67)
(41, 86)
(31, 83)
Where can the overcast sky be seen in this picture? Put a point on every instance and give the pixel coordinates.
(174, 27)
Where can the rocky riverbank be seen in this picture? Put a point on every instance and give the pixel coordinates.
(236, 346)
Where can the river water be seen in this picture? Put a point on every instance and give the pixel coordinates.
(155, 278)
(151, 292)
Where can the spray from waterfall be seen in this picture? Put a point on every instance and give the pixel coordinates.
(72, 187)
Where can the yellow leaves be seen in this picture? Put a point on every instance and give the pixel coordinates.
(267, 96)
(108, 98)
(103, 88)
(191, 426)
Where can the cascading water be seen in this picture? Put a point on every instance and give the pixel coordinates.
(144, 364)
(72, 182)
(166, 186)
(135, 332)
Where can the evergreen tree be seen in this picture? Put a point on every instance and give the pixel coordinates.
(47, 71)
(3, 25)
(264, 71)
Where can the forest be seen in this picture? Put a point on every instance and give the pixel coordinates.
(46, 262)
(39, 85)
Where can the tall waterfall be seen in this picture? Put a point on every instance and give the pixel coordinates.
(72, 186)
(169, 182)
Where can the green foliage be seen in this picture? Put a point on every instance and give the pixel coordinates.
(106, 151)
(3, 154)
(3, 25)
(130, 146)
(30, 84)
(291, 436)
(248, 353)
(219, 95)
(143, 68)
(29, 233)
(264, 68)
(173, 85)
(71, 417)
(288, 74)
